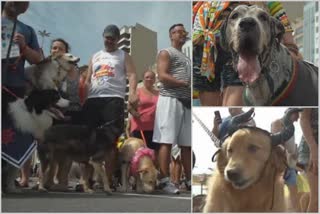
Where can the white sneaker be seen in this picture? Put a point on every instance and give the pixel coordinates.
(169, 187)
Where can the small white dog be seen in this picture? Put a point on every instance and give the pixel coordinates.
(50, 72)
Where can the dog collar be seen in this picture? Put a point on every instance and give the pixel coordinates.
(143, 151)
(277, 78)
(289, 87)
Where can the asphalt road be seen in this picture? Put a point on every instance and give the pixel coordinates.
(34, 201)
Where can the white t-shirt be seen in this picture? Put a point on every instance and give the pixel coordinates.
(108, 78)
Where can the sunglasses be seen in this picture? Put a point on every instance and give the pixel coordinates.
(181, 32)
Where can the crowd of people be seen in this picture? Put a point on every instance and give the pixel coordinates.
(159, 114)
(98, 97)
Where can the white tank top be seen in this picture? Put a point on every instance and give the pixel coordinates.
(108, 78)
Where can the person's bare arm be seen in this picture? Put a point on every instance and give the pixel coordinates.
(276, 126)
(305, 124)
(163, 64)
(132, 77)
(87, 81)
(31, 55)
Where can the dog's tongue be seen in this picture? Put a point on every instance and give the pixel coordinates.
(248, 68)
(57, 113)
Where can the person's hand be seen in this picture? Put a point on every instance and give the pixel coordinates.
(198, 41)
(216, 121)
(133, 100)
(20, 40)
(133, 111)
(313, 167)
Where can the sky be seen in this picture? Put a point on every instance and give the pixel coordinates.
(81, 23)
(204, 148)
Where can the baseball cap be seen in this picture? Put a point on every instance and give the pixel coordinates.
(292, 110)
(112, 31)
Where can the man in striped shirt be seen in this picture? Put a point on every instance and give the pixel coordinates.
(173, 113)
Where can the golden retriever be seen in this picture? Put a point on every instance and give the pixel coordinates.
(140, 160)
(249, 174)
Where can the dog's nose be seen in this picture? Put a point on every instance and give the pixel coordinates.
(247, 24)
(233, 174)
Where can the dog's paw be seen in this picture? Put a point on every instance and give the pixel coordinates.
(88, 190)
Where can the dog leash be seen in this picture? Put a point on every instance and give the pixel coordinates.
(214, 139)
(143, 137)
(10, 92)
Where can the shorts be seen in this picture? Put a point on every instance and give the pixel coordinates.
(201, 83)
(228, 75)
(172, 122)
(106, 115)
(290, 177)
(148, 135)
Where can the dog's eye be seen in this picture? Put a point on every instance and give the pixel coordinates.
(253, 148)
(229, 150)
(234, 16)
(263, 17)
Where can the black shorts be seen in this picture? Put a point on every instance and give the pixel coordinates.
(224, 63)
(224, 71)
(201, 83)
(105, 114)
(148, 135)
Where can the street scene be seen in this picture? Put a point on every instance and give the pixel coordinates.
(31, 200)
(84, 98)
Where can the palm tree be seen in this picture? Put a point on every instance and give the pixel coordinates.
(43, 34)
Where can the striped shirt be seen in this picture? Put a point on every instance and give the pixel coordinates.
(180, 69)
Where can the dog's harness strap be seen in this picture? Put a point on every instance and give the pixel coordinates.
(288, 89)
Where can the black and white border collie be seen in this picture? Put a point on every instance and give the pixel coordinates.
(33, 115)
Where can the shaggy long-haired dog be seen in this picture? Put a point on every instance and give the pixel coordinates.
(50, 72)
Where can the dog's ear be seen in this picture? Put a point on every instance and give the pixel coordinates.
(222, 159)
(223, 35)
(278, 158)
(277, 30)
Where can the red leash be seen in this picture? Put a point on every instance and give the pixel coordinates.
(10, 92)
(143, 137)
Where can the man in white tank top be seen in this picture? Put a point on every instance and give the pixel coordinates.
(106, 89)
(173, 113)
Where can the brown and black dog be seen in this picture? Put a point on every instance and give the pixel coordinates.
(94, 148)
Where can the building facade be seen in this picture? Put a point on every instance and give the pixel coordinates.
(141, 43)
(311, 32)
